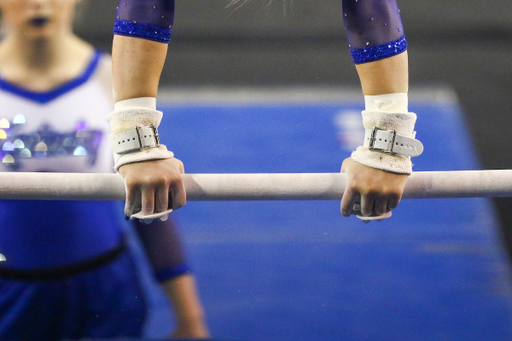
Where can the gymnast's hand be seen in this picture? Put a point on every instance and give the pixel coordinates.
(153, 187)
(377, 191)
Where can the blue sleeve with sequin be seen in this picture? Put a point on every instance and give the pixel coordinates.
(374, 29)
(146, 19)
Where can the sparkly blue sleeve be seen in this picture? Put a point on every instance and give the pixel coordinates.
(374, 29)
(164, 249)
(146, 19)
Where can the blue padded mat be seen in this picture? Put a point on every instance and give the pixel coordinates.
(299, 270)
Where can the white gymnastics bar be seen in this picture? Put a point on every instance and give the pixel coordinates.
(234, 187)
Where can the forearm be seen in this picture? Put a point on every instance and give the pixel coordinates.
(186, 306)
(142, 31)
(377, 44)
(385, 76)
(165, 253)
(184, 297)
(136, 65)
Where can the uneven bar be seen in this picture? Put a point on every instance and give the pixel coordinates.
(270, 186)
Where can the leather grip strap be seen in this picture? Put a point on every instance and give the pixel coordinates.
(140, 138)
(388, 141)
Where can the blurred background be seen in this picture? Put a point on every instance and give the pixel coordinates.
(463, 44)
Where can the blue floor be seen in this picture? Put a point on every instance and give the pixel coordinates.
(299, 270)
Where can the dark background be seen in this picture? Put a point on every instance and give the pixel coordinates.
(465, 44)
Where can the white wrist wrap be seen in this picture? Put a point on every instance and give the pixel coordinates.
(397, 102)
(403, 125)
(126, 117)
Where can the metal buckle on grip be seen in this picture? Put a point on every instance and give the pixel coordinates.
(143, 146)
(390, 142)
(156, 135)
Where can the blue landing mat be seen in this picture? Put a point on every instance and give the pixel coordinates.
(299, 270)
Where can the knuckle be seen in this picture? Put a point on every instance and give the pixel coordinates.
(160, 181)
(156, 181)
(131, 182)
(176, 181)
(353, 183)
(370, 194)
(393, 192)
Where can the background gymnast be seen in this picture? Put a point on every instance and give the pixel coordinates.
(377, 171)
(67, 273)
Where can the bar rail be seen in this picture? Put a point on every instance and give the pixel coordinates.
(265, 186)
